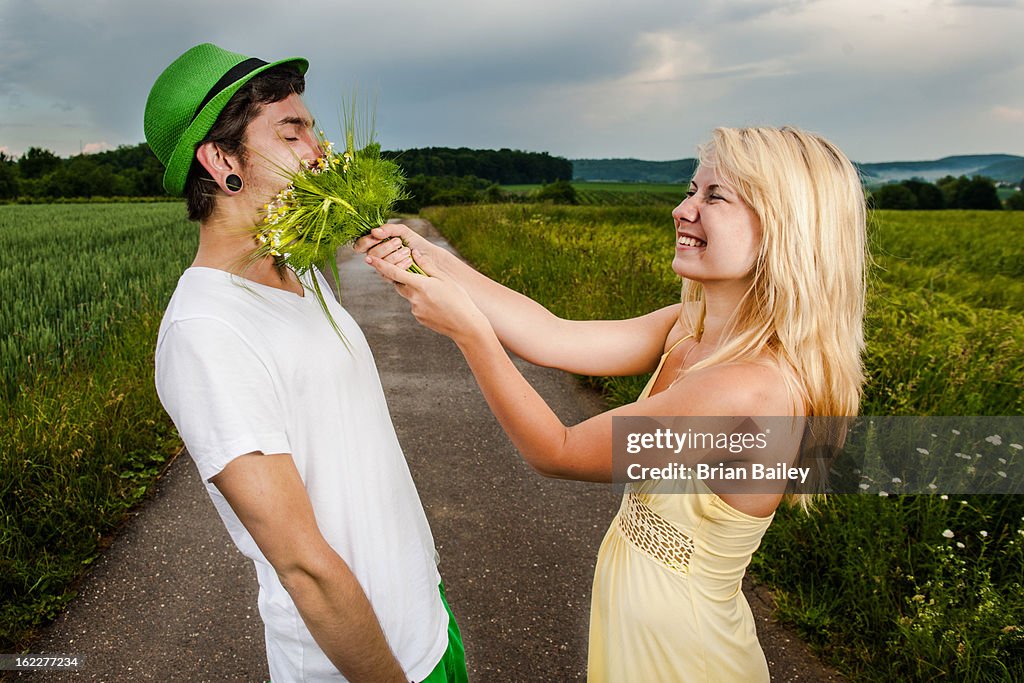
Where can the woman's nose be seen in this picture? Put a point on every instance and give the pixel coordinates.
(686, 210)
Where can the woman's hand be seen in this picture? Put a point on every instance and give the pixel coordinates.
(394, 243)
(438, 301)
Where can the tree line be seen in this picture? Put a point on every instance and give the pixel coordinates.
(949, 192)
(134, 171)
(436, 175)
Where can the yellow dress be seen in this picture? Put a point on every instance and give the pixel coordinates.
(667, 605)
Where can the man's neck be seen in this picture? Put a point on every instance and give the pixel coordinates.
(229, 246)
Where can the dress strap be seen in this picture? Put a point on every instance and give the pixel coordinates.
(678, 342)
(654, 378)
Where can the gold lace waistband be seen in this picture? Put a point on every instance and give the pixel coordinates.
(654, 535)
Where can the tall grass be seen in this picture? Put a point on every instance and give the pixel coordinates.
(875, 583)
(82, 433)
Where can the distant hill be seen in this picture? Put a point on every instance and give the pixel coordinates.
(1005, 167)
(634, 170)
(996, 166)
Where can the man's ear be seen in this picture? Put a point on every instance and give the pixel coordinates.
(217, 163)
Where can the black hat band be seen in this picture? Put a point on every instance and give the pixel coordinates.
(234, 73)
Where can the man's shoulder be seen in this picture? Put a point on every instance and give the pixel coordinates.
(207, 299)
(205, 293)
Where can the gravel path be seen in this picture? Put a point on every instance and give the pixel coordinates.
(172, 600)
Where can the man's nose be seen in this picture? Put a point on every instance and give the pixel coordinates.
(312, 149)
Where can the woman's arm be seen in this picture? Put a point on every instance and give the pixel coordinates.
(527, 329)
(584, 451)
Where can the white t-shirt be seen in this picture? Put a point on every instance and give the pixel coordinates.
(243, 367)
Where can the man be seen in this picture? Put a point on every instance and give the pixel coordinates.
(288, 428)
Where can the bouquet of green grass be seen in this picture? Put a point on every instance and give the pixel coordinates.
(330, 203)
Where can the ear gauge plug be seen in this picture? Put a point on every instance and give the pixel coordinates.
(233, 183)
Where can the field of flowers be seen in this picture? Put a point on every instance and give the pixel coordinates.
(82, 433)
(888, 587)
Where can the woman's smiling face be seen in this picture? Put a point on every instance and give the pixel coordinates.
(717, 234)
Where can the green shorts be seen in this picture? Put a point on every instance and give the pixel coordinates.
(452, 667)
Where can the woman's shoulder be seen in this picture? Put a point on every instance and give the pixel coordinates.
(759, 386)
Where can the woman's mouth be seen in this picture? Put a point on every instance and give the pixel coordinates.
(687, 241)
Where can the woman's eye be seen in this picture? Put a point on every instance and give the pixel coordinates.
(690, 193)
(716, 196)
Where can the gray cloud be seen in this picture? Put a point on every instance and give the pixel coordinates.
(577, 77)
(1009, 4)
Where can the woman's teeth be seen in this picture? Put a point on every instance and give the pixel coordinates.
(685, 241)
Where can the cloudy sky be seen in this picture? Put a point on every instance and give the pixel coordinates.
(885, 79)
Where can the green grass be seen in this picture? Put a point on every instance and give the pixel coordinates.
(82, 433)
(871, 582)
(678, 188)
(616, 194)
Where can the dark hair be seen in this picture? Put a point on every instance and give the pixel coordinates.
(272, 85)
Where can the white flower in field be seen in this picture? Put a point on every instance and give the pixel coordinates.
(956, 431)
(1002, 461)
(984, 534)
(883, 494)
(864, 487)
(923, 451)
(948, 533)
(944, 497)
(935, 436)
(1016, 446)
(897, 480)
(960, 545)
(1001, 474)
(932, 486)
(963, 502)
(995, 440)
(971, 470)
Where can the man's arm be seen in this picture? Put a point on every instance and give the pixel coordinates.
(267, 494)
(586, 347)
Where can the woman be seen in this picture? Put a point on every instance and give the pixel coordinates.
(770, 245)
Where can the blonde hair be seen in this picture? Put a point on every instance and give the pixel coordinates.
(805, 304)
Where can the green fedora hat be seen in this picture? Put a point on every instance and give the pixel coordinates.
(188, 97)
